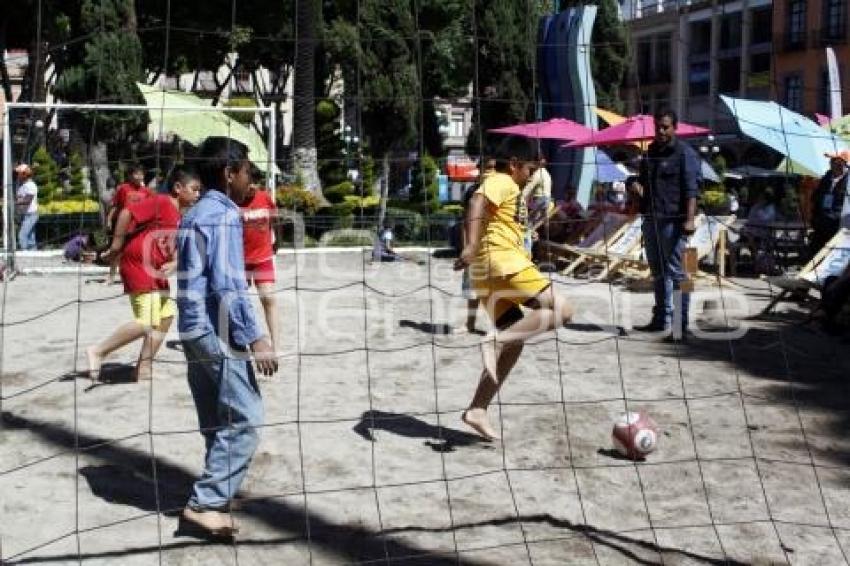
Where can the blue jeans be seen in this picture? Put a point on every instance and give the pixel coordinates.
(229, 411)
(664, 242)
(26, 235)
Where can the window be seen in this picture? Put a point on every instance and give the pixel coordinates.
(823, 92)
(662, 58)
(730, 31)
(834, 19)
(700, 37)
(796, 22)
(794, 92)
(456, 125)
(644, 61)
(762, 26)
(699, 78)
(729, 75)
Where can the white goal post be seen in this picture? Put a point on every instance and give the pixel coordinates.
(9, 243)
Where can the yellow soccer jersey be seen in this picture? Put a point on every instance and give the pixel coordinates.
(502, 251)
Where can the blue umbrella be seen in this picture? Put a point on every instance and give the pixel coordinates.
(607, 171)
(789, 133)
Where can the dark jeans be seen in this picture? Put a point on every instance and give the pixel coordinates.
(664, 242)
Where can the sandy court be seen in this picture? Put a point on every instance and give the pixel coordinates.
(364, 459)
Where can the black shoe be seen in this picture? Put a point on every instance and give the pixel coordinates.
(653, 326)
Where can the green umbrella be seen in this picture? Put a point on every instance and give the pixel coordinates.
(841, 126)
(195, 126)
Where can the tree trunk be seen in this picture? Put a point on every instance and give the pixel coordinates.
(304, 127)
(385, 189)
(100, 167)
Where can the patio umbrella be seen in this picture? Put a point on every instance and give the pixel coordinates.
(607, 171)
(634, 129)
(554, 129)
(612, 119)
(841, 127)
(195, 127)
(789, 133)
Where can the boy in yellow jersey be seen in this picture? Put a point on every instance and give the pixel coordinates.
(503, 276)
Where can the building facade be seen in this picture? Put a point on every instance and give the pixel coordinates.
(803, 29)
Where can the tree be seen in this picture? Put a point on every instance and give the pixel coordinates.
(304, 123)
(77, 182)
(609, 51)
(504, 56)
(105, 69)
(329, 145)
(45, 175)
(424, 187)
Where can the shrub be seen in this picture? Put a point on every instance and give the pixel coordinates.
(78, 182)
(68, 206)
(294, 197)
(241, 102)
(45, 174)
(405, 224)
(337, 193)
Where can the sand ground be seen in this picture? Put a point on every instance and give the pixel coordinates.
(364, 458)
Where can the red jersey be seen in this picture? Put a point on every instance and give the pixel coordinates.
(128, 194)
(150, 245)
(257, 227)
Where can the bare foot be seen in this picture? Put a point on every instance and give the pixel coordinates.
(95, 360)
(477, 419)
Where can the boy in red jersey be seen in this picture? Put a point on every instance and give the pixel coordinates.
(144, 238)
(133, 190)
(258, 213)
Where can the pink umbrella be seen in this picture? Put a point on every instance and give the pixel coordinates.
(822, 120)
(634, 129)
(554, 129)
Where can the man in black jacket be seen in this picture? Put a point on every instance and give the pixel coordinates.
(828, 201)
(667, 187)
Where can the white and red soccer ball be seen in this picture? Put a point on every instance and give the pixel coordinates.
(635, 435)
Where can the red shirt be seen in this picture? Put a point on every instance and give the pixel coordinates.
(128, 194)
(151, 244)
(257, 227)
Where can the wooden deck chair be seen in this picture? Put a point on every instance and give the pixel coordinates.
(606, 232)
(830, 261)
(627, 257)
(710, 237)
(625, 253)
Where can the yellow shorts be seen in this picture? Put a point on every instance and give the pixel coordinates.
(500, 295)
(150, 308)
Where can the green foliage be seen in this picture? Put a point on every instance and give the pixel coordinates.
(68, 206)
(78, 181)
(452, 209)
(718, 162)
(507, 35)
(346, 238)
(368, 177)
(424, 188)
(295, 197)
(364, 205)
(714, 198)
(105, 68)
(45, 175)
(245, 118)
(338, 193)
(405, 224)
(329, 144)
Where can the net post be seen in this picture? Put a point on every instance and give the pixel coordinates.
(8, 200)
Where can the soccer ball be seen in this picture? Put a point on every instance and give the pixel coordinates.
(635, 435)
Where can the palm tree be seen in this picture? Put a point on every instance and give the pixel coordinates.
(304, 130)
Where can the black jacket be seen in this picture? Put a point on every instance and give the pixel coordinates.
(670, 176)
